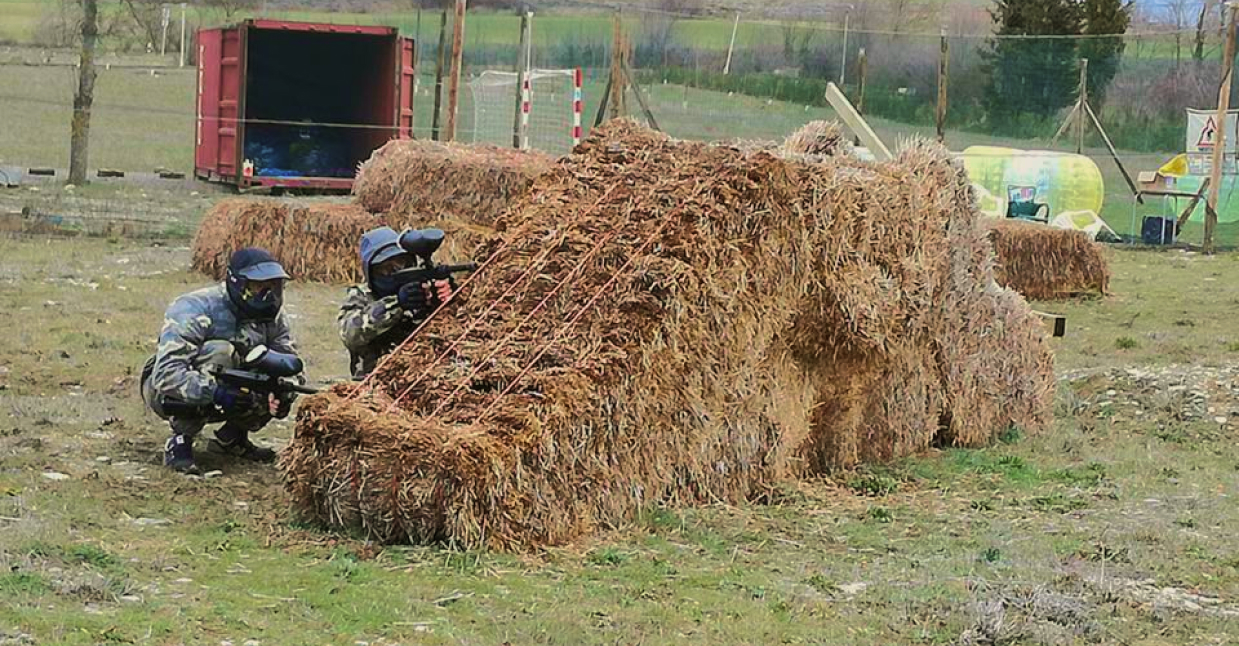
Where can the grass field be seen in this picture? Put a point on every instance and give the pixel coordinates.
(144, 120)
(1116, 527)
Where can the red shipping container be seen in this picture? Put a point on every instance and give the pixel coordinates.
(299, 105)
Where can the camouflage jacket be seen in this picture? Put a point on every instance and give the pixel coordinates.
(195, 318)
(371, 327)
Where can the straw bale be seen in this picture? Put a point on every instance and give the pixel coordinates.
(818, 138)
(315, 241)
(679, 323)
(1047, 263)
(419, 179)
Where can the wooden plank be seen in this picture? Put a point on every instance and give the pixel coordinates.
(1113, 153)
(857, 123)
(1075, 109)
(636, 91)
(1058, 321)
(602, 105)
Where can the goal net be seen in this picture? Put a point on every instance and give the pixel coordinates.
(552, 107)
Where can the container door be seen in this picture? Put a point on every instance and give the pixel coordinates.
(219, 81)
(230, 72)
(206, 135)
(408, 88)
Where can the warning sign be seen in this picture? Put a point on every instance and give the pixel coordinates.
(1202, 129)
(1207, 133)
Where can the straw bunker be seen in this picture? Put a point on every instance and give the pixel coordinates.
(658, 321)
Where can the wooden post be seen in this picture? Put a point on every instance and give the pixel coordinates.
(1219, 136)
(732, 45)
(864, 76)
(182, 63)
(453, 85)
(636, 91)
(434, 127)
(617, 68)
(84, 98)
(943, 59)
(522, 64)
(1080, 120)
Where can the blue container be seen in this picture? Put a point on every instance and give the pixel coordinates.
(1156, 230)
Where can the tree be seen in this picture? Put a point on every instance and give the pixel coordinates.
(230, 7)
(1105, 21)
(1198, 53)
(1031, 75)
(84, 97)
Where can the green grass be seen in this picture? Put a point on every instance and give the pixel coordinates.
(19, 19)
(897, 556)
(895, 553)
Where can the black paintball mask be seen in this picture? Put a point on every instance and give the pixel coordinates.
(255, 284)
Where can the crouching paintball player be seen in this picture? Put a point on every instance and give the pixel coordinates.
(225, 354)
(403, 285)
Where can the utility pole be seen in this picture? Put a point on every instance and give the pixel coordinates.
(84, 98)
(1219, 136)
(453, 87)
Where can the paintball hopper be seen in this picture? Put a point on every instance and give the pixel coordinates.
(276, 364)
(422, 243)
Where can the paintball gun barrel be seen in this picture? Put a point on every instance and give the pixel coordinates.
(423, 243)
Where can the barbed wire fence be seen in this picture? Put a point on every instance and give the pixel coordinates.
(720, 77)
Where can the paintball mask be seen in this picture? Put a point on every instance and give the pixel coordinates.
(255, 283)
(378, 246)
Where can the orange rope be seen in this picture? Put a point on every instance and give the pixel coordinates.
(382, 362)
(537, 308)
(581, 312)
(537, 263)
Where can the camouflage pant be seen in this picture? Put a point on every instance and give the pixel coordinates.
(214, 355)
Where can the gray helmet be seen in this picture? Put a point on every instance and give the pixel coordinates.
(378, 245)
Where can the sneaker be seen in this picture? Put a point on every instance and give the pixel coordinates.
(178, 453)
(237, 443)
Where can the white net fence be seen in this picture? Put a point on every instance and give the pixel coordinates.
(550, 120)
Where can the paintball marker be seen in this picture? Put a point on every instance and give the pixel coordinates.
(422, 244)
(267, 372)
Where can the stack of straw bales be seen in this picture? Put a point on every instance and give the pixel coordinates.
(405, 184)
(1046, 263)
(677, 322)
(313, 240)
(423, 180)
